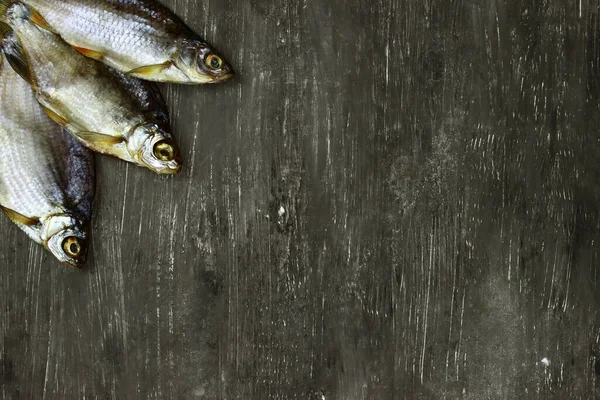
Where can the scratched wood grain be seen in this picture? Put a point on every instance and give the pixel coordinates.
(393, 200)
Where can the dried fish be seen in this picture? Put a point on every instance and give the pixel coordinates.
(105, 110)
(46, 177)
(141, 38)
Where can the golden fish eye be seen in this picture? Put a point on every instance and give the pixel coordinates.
(213, 61)
(164, 151)
(72, 246)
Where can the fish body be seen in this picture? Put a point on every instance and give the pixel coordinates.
(46, 177)
(141, 38)
(105, 110)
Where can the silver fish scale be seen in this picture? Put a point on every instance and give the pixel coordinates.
(43, 170)
(128, 39)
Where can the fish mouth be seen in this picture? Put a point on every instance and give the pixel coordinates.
(171, 169)
(78, 265)
(224, 77)
(209, 78)
(174, 166)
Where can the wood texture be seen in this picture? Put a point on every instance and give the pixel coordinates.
(394, 200)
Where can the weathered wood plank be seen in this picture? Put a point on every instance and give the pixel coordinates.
(392, 200)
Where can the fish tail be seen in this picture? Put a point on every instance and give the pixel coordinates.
(4, 6)
(15, 10)
(11, 48)
(5, 29)
(15, 55)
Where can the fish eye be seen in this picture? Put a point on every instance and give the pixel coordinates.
(72, 246)
(213, 61)
(164, 151)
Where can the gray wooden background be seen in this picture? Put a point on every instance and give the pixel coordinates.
(393, 200)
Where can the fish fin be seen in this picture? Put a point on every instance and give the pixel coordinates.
(16, 57)
(25, 11)
(99, 140)
(150, 70)
(96, 55)
(5, 29)
(20, 218)
(5, 5)
(59, 119)
(161, 110)
(40, 21)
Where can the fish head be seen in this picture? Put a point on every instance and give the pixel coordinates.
(201, 63)
(66, 238)
(155, 148)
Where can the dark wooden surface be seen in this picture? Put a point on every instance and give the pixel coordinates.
(393, 200)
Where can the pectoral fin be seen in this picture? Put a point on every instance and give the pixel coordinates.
(20, 218)
(150, 70)
(96, 55)
(98, 140)
(62, 121)
(37, 19)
